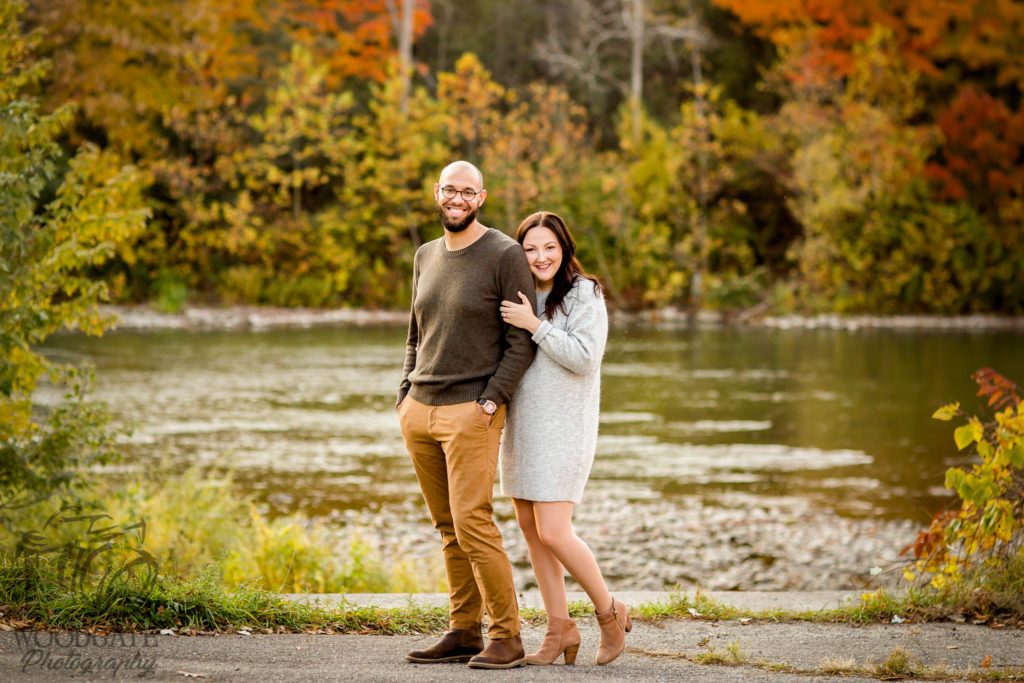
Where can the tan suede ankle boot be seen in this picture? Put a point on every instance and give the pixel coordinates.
(562, 636)
(615, 624)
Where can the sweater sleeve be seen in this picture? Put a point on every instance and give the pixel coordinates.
(514, 277)
(580, 347)
(412, 339)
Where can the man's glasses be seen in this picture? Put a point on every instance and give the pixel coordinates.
(468, 193)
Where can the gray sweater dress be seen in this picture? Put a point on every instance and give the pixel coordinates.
(551, 428)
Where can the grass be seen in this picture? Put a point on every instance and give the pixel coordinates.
(197, 519)
(732, 655)
(993, 590)
(832, 666)
(31, 595)
(899, 663)
(32, 600)
(877, 607)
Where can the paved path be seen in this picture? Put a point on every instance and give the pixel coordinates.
(656, 651)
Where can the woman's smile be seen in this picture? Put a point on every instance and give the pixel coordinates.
(544, 254)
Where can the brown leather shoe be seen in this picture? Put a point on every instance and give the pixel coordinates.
(500, 653)
(458, 645)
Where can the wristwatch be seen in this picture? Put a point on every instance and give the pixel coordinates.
(488, 405)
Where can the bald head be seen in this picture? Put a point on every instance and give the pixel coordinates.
(462, 169)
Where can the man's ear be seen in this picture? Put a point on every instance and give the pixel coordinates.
(483, 196)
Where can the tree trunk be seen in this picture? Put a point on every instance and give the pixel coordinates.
(402, 25)
(701, 237)
(635, 26)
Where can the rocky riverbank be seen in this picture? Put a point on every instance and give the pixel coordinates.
(762, 544)
(145, 318)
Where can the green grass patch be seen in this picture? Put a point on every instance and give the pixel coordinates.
(876, 607)
(992, 591)
(31, 599)
(899, 664)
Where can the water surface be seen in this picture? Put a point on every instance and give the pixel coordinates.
(835, 418)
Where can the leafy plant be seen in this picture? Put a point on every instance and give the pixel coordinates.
(986, 535)
(58, 219)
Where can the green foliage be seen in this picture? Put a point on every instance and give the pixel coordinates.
(283, 556)
(49, 239)
(170, 292)
(985, 537)
(688, 190)
(262, 240)
(33, 597)
(731, 292)
(385, 208)
(197, 520)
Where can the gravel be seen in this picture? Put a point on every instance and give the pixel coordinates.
(663, 545)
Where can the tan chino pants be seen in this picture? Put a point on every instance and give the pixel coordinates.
(455, 455)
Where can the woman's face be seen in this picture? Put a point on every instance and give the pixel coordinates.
(543, 253)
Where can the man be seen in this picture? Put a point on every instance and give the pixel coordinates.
(462, 363)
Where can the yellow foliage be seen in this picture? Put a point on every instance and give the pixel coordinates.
(989, 525)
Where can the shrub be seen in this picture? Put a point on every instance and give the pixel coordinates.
(59, 218)
(982, 543)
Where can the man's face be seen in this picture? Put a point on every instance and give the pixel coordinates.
(456, 212)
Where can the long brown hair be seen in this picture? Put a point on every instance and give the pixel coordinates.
(569, 270)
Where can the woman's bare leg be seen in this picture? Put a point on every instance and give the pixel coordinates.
(553, 524)
(547, 569)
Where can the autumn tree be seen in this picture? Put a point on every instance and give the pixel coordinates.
(874, 240)
(966, 54)
(261, 224)
(982, 160)
(47, 239)
(358, 38)
(385, 209)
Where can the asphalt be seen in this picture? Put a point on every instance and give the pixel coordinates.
(669, 650)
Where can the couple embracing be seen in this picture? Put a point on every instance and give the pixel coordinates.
(505, 333)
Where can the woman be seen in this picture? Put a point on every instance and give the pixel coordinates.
(551, 433)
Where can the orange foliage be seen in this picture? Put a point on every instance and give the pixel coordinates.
(121, 62)
(983, 158)
(355, 37)
(1002, 393)
(980, 33)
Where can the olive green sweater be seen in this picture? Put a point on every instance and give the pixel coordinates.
(458, 348)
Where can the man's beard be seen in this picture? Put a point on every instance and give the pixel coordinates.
(456, 225)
